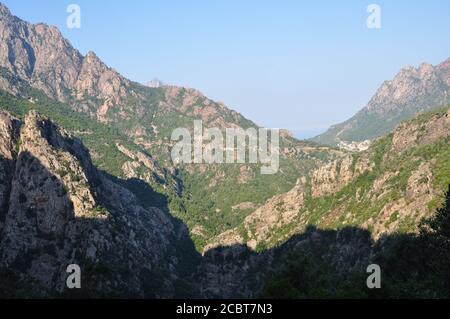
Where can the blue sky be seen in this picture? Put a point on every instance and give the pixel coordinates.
(293, 64)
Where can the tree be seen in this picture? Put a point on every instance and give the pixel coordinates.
(440, 223)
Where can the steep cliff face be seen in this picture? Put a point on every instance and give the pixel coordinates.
(60, 210)
(413, 90)
(8, 138)
(412, 87)
(39, 54)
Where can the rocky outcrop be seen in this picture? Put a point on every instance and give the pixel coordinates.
(193, 103)
(425, 85)
(413, 134)
(39, 54)
(274, 214)
(62, 211)
(332, 177)
(140, 157)
(9, 132)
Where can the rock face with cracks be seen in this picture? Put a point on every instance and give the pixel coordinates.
(57, 210)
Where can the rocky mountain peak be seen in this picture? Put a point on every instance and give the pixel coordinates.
(409, 72)
(406, 68)
(443, 70)
(4, 11)
(91, 57)
(444, 65)
(426, 67)
(39, 55)
(411, 91)
(410, 84)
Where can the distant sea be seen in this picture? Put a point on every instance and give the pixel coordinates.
(306, 134)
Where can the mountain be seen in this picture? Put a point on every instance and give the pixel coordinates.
(37, 64)
(58, 209)
(317, 239)
(86, 177)
(412, 91)
(391, 186)
(61, 210)
(39, 55)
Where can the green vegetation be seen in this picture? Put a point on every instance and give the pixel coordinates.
(308, 276)
(98, 137)
(207, 197)
(413, 266)
(360, 202)
(369, 125)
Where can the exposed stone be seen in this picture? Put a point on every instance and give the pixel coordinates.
(62, 211)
